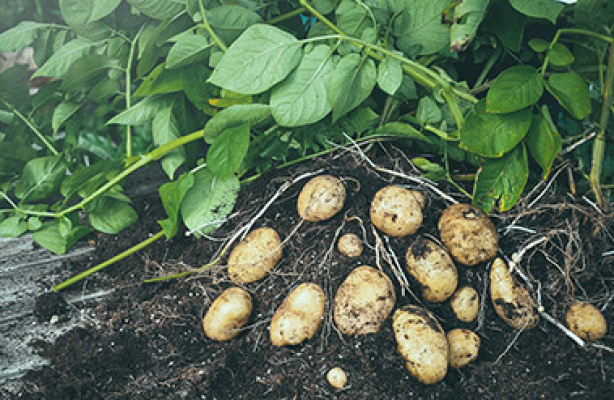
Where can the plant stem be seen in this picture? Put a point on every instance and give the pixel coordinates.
(129, 93)
(572, 31)
(208, 28)
(33, 128)
(288, 15)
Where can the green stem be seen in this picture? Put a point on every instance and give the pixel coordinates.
(129, 93)
(572, 31)
(288, 15)
(208, 28)
(33, 128)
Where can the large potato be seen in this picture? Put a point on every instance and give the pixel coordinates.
(299, 316)
(227, 314)
(397, 211)
(512, 302)
(433, 268)
(465, 303)
(468, 233)
(253, 258)
(321, 198)
(363, 301)
(464, 347)
(422, 343)
(586, 321)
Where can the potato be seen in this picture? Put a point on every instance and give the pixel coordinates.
(337, 378)
(464, 347)
(363, 301)
(422, 343)
(397, 211)
(350, 245)
(253, 258)
(227, 314)
(586, 321)
(433, 268)
(468, 233)
(321, 198)
(465, 303)
(299, 316)
(511, 301)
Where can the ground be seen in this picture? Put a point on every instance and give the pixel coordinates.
(145, 341)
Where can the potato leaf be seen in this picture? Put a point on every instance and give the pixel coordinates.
(544, 143)
(236, 115)
(351, 83)
(546, 9)
(389, 75)
(514, 89)
(142, 112)
(40, 178)
(468, 16)
(229, 21)
(228, 149)
(571, 92)
(160, 81)
(13, 227)
(53, 240)
(560, 56)
(20, 36)
(62, 112)
(189, 47)
(158, 9)
(171, 194)
(165, 129)
(419, 27)
(82, 12)
(111, 215)
(65, 56)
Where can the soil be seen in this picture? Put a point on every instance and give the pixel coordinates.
(145, 340)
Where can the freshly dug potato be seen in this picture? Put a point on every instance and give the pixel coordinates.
(227, 314)
(465, 303)
(586, 321)
(299, 316)
(350, 245)
(422, 343)
(433, 268)
(337, 378)
(464, 347)
(321, 198)
(511, 301)
(468, 233)
(363, 301)
(397, 211)
(253, 258)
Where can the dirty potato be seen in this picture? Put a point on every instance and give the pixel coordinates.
(337, 378)
(511, 301)
(397, 211)
(464, 347)
(433, 268)
(363, 301)
(422, 343)
(586, 321)
(299, 316)
(465, 303)
(256, 255)
(350, 245)
(468, 233)
(227, 314)
(321, 198)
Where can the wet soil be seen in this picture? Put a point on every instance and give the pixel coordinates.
(145, 341)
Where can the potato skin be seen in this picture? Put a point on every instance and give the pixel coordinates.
(337, 378)
(321, 198)
(433, 268)
(465, 303)
(586, 321)
(256, 255)
(464, 347)
(350, 245)
(397, 211)
(468, 233)
(511, 301)
(228, 313)
(299, 316)
(422, 343)
(364, 301)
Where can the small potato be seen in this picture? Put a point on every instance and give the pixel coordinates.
(363, 301)
(468, 233)
(350, 245)
(397, 211)
(511, 301)
(433, 268)
(464, 347)
(422, 343)
(337, 378)
(227, 314)
(465, 303)
(253, 258)
(299, 316)
(321, 198)
(586, 321)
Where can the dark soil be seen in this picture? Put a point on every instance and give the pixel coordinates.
(145, 341)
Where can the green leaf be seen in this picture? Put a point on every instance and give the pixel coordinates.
(62, 112)
(229, 21)
(507, 24)
(142, 112)
(236, 115)
(546, 9)
(432, 171)
(194, 85)
(160, 81)
(594, 13)
(51, 238)
(13, 87)
(63, 58)
(502, 179)
(544, 143)
(402, 130)
(189, 47)
(301, 99)
(324, 6)
(514, 89)
(352, 18)
(158, 9)
(389, 75)
(428, 111)
(13, 227)
(492, 135)
(82, 12)
(111, 215)
(84, 181)
(420, 28)
(468, 16)
(261, 57)
(171, 194)
(351, 83)
(228, 150)
(85, 72)
(34, 223)
(40, 178)
(560, 56)
(103, 89)
(20, 36)
(208, 202)
(538, 45)
(572, 92)
(166, 129)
